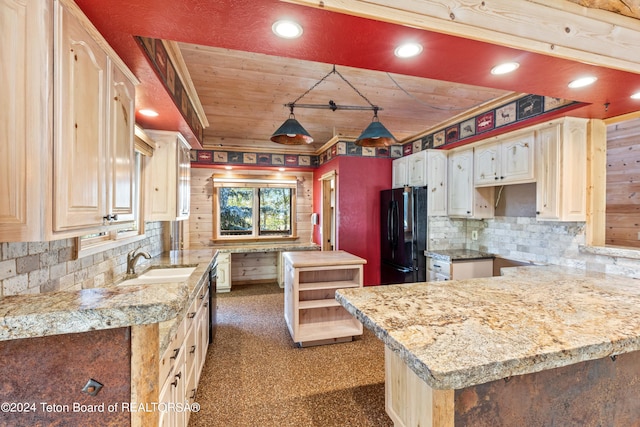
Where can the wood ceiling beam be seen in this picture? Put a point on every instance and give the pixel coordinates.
(558, 28)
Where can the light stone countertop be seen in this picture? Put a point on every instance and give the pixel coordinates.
(452, 255)
(65, 312)
(461, 333)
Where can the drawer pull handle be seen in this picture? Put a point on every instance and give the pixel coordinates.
(193, 394)
(178, 375)
(202, 296)
(437, 265)
(192, 315)
(193, 349)
(175, 353)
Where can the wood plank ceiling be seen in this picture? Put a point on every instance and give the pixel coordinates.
(244, 74)
(244, 93)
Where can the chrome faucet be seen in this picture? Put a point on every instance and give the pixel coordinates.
(132, 258)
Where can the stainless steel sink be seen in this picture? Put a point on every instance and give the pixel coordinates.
(161, 275)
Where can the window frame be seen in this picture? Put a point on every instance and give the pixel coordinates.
(255, 182)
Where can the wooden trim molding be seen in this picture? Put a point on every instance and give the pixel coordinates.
(562, 29)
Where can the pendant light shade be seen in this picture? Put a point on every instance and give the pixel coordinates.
(375, 135)
(291, 133)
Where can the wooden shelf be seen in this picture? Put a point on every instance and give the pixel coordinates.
(326, 330)
(317, 303)
(327, 285)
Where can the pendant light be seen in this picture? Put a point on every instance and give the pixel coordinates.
(291, 132)
(375, 135)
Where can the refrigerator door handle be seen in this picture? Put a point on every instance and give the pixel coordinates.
(394, 223)
(389, 221)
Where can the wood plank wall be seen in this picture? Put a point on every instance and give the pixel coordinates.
(623, 184)
(245, 268)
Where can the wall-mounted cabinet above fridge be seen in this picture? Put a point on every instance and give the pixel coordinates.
(426, 168)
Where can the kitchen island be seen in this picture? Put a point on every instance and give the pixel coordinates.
(537, 346)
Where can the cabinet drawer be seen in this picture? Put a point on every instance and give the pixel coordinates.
(171, 354)
(439, 267)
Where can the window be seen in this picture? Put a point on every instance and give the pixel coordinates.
(254, 208)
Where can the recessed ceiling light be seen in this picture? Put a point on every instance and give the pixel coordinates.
(505, 68)
(286, 29)
(228, 167)
(148, 112)
(582, 82)
(635, 95)
(407, 50)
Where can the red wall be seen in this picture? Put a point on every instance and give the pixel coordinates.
(358, 185)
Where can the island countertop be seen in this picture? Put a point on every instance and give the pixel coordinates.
(462, 333)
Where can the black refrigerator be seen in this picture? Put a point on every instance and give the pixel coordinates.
(403, 239)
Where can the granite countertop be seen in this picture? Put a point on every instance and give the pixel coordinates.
(457, 255)
(268, 247)
(461, 333)
(65, 312)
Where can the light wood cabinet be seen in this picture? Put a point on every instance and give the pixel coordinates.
(464, 200)
(311, 311)
(458, 270)
(508, 161)
(169, 177)
(561, 150)
(25, 122)
(72, 173)
(182, 362)
(417, 169)
(399, 172)
(424, 168)
(93, 149)
(437, 182)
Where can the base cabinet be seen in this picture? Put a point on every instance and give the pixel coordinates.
(311, 311)
(458, 270)
(182, 362)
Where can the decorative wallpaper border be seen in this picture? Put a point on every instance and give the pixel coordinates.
(519, 110)
(159, 59)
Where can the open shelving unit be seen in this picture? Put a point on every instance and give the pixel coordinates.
(311, 311)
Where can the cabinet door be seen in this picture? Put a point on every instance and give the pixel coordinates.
(417, 169)
(184, 181)
(79, 144)
(437, 182)
(548, 174)
(121, 144)
(25, 81)
(399, 173)
(460, 171)
(516, 160)
(487, 164)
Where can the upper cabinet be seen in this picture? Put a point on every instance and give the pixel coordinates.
(25, 122)
(80, 146)
(508, 161)
(561, 189)
(464, 200)
(169, 177)
(424, 168)
(399, 172)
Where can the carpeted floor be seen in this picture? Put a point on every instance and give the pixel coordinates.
(254, 374)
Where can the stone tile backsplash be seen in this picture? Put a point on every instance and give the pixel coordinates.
(36, 267)
(529, 240)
